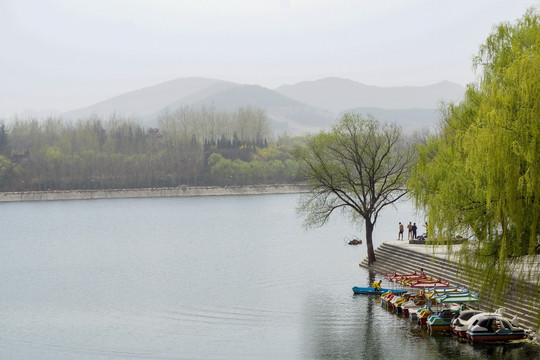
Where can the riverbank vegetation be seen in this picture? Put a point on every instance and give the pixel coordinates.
(190, 147)
(480, 175)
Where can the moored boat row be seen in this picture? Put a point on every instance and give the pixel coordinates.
(445, 309)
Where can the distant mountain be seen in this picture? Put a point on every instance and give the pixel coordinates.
(410, 120)
(142, 102)
(38, 115)
(285, 113)
(337, 94)
(253, 95)
(304, 107)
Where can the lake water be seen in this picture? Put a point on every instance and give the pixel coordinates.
(228, 277)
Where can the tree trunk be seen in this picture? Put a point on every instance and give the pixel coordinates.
(369, 242)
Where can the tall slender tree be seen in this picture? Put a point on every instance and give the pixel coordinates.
(359, 167)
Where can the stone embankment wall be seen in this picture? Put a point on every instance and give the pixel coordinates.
(180, 191)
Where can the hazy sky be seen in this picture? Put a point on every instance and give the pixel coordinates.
(67, 54)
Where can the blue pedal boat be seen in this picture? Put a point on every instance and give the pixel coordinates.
(372, 291)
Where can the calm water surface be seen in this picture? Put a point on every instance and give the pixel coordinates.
(233, 277)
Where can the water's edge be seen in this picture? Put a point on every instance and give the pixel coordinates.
(180, 191)
(438, 262)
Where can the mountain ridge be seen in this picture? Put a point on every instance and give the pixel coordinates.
(145, 100)
(338, 94)
(306, 106)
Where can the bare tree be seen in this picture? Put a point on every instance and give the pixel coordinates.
(359, 167)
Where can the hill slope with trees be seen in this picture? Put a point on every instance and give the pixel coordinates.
(294, 109)
(204, 147)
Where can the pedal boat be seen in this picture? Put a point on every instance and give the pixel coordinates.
(395, 277)
(372, 291)
(494, 328)
(456, 298)
(426, 284)
(422, 315)
(460, 320)
(462, 325)
(441, 321)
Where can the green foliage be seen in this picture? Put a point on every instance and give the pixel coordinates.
(480, 176)
(238, 172)
(282, 153)
(216, 129)
(193, 148)
(9, 174)
(3, 137)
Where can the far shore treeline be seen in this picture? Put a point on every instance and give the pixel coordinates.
(189, 147)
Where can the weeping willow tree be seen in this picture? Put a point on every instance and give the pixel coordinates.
(480, 176)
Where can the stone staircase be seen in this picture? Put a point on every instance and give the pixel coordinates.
(392, 258)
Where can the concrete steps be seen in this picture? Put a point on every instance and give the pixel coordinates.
(446, 270)
(393, 258)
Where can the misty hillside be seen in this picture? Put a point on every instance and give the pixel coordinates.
(411, 120)
(252, 95)
(142, 102)
(304, 107)
(338, 94)
(285, 113)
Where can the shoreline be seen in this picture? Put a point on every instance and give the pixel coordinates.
(181, 191)
(405, 257)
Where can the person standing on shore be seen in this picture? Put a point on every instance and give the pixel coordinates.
(409, 227)
(400, 233)
(414, 227)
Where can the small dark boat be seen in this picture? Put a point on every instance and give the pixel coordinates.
(372, 291)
